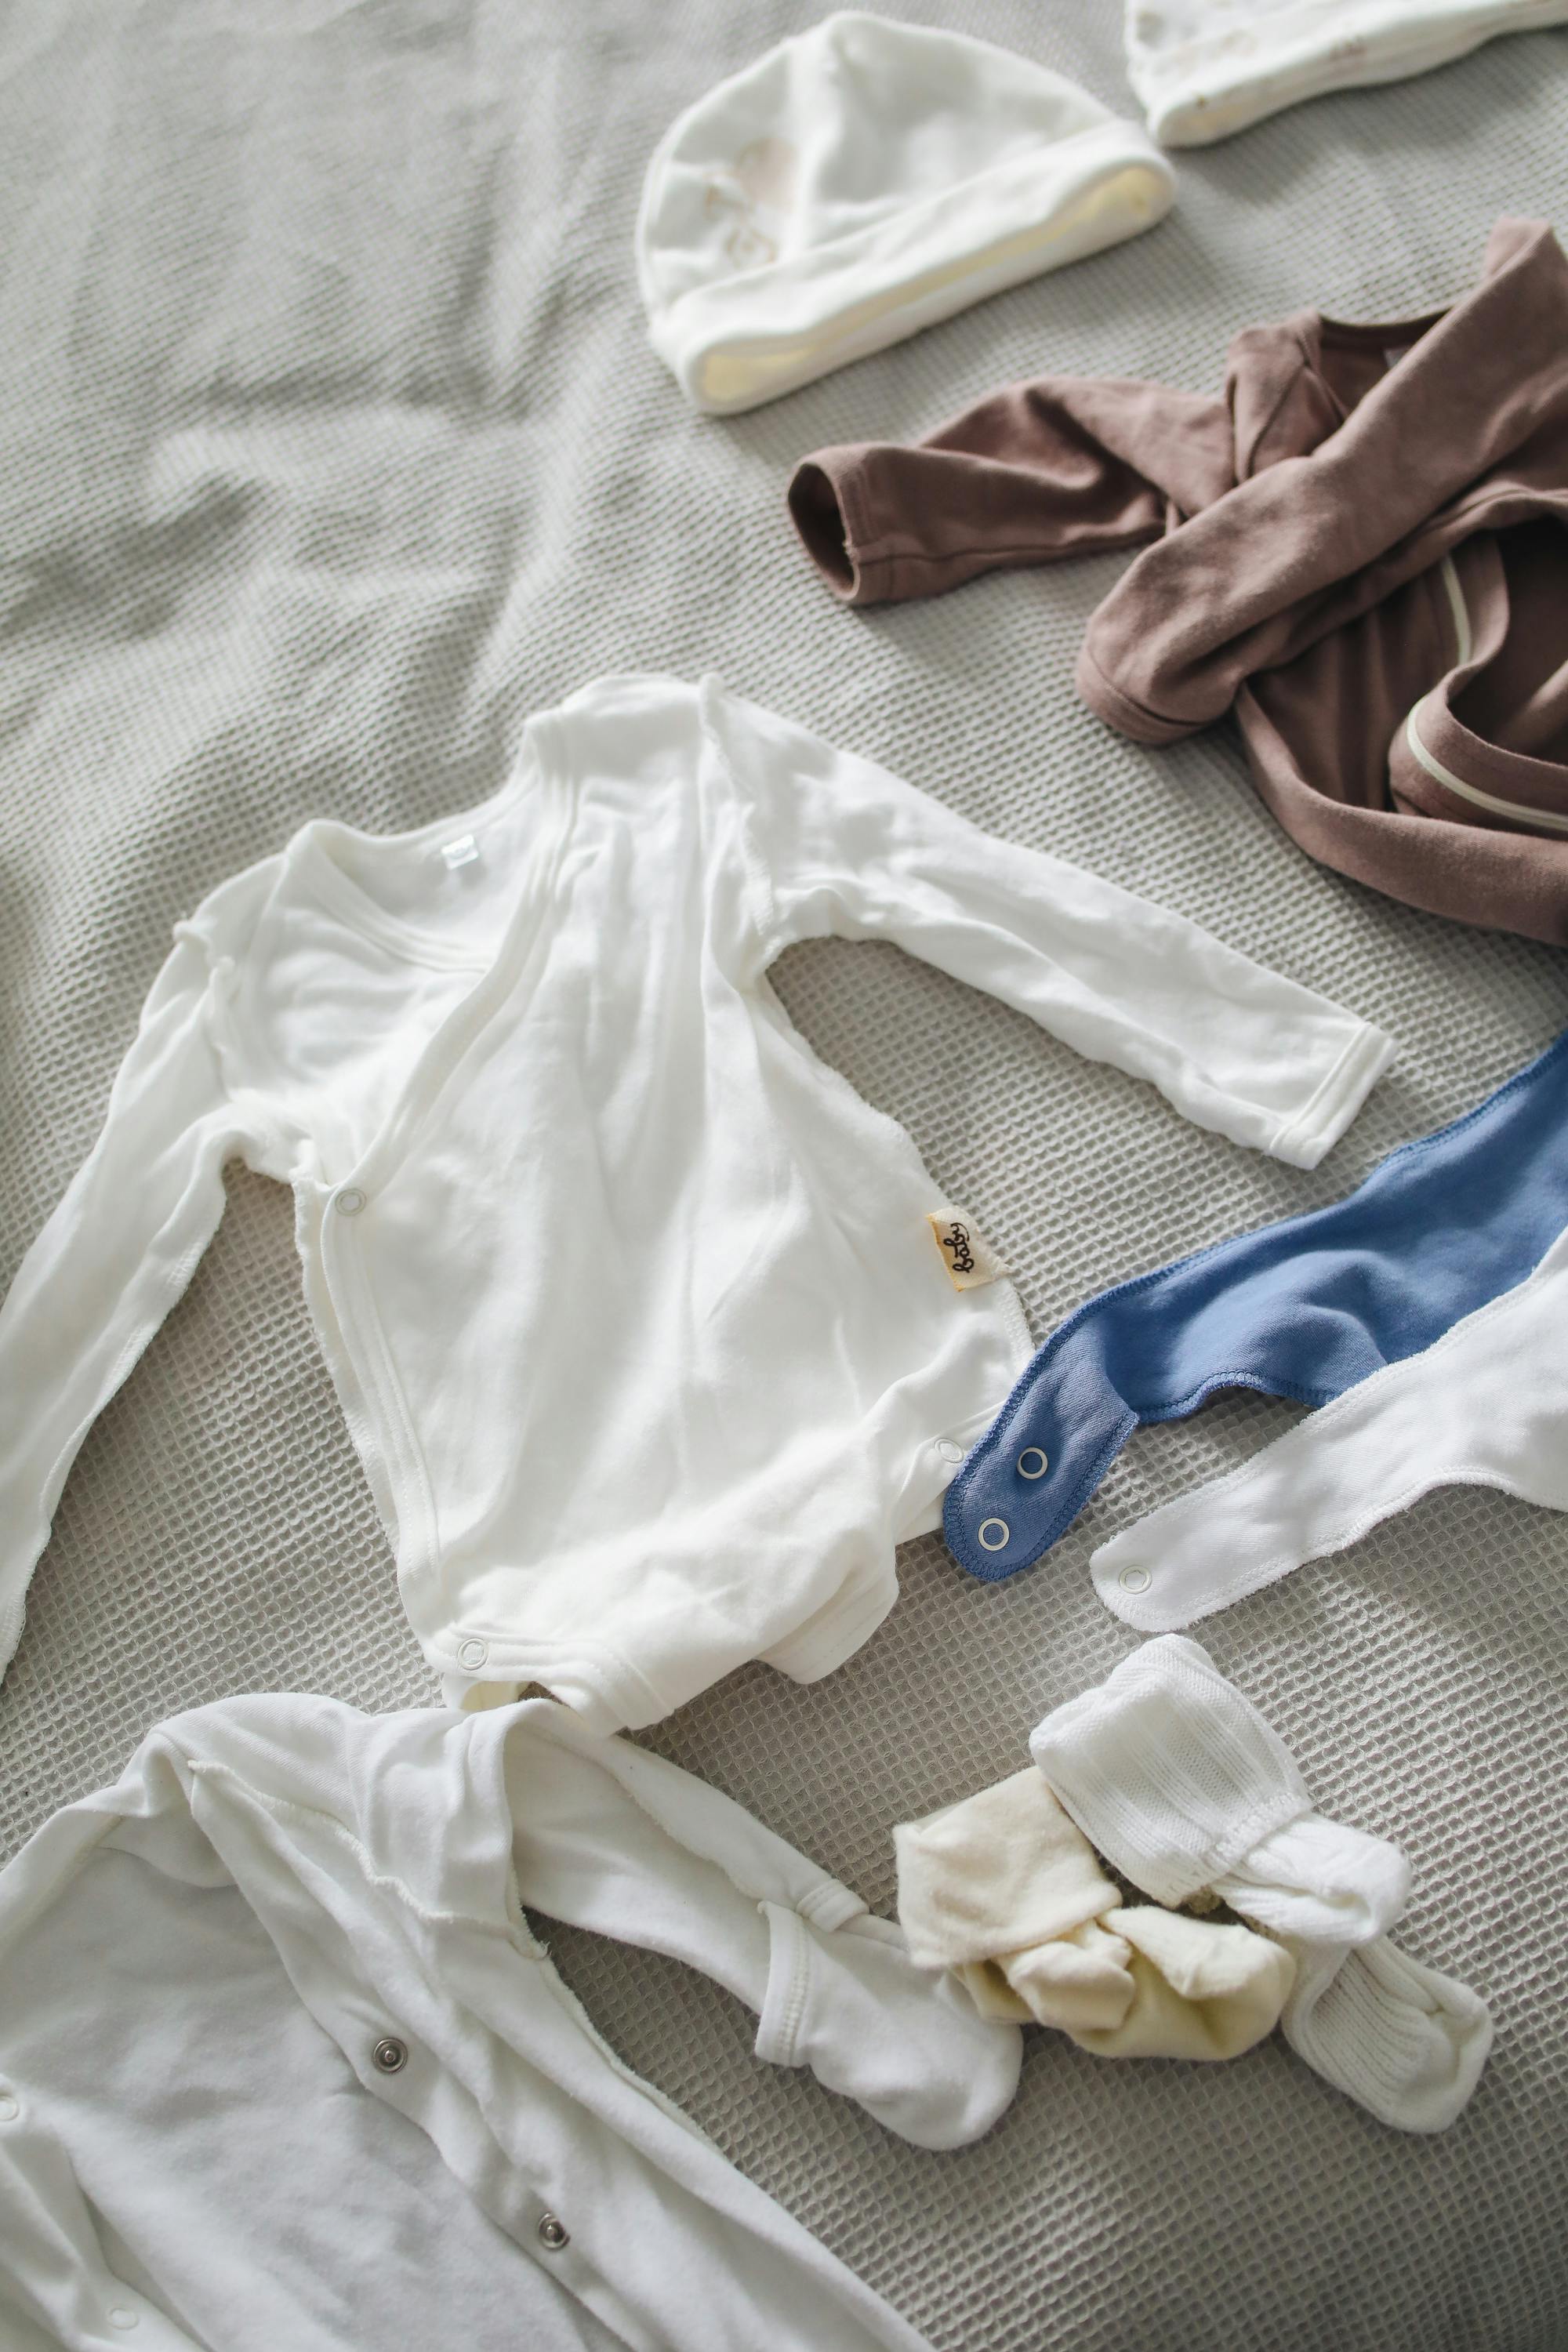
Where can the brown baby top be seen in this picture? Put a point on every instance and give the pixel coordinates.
(1356, 551)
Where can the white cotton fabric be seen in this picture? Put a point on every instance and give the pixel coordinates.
(864, 180)
(634, 1309)
(1180, 1783)
(197, 2143)
(1203, 68)
(1486, 1405)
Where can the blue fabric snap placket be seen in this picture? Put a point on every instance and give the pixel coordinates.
(1303, 1309)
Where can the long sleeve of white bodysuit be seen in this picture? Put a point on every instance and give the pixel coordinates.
(841, 847)
(111, 1260)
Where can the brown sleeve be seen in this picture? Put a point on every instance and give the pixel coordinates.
(1039, 471)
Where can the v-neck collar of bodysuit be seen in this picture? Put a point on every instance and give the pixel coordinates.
(540, 773)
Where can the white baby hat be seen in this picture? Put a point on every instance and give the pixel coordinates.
(1179, 1781)
(862, 181)
(1203, 68)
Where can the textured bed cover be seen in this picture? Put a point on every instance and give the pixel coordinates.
(330, 446)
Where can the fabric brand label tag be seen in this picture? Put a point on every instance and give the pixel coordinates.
(461, 852)
(969, 1258)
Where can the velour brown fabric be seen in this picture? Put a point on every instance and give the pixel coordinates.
(1357, 548)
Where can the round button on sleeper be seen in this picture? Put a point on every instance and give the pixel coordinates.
(348, 1202)
(1134, 1580)
(948, 1450)
(10, 2107)
(994, 1534)
(472, 1654)
(554, 2233)
(1032, 1463)
(390, 2056)
(122, 2317)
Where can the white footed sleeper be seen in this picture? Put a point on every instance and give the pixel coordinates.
(284, 2067)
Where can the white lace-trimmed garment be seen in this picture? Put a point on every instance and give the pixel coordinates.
(284, 2068)
(639, 1314)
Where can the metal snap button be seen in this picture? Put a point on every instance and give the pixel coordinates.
(390, 2056)
(1134, 1580)
(948, 1451)
(1032, 1463)
(554, 2233)
(994, 1534)
(10, 2107)
(472, 1654)
(348, 1202)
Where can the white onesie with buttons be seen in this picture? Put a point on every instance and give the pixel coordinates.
(653, 1337)
(285, 2068)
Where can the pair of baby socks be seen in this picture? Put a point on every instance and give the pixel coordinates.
(1172, 1775)
(1006, 1891)
(1179, 1781)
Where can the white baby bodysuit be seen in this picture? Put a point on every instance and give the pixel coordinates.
(284, 2067)
(641, 1320)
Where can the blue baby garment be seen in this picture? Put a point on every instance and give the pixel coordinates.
(1303, 1309)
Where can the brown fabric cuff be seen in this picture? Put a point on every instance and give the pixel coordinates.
(827, 507)
(883, 524)
(1107, 702)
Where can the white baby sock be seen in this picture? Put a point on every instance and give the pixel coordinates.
(1004, 1891)
(1319, 1880)
(1184, 1787)
(1408, 2043)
